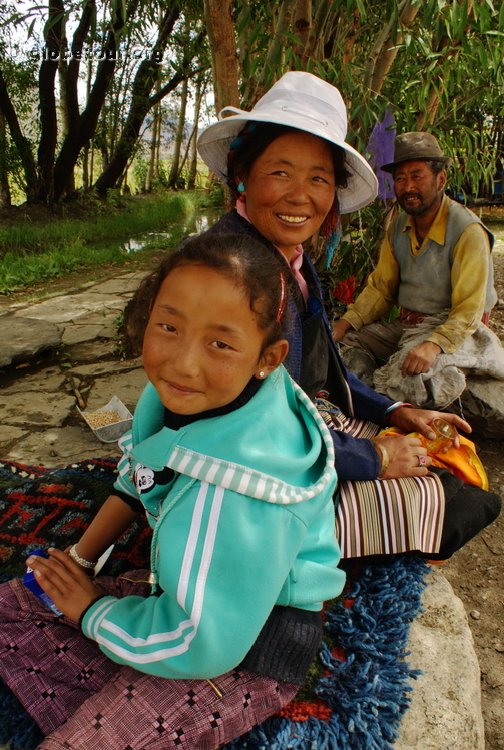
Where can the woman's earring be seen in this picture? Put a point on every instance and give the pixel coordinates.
(240, 187)
(262, 374)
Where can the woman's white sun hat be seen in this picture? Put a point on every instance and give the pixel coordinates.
(303, 101)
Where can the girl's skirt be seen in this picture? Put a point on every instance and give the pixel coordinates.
(82, 699)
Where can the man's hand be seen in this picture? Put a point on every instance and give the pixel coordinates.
(420, 358)
(340, 328)
(65, 582)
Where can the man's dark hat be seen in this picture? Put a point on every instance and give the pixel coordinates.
(417, 146)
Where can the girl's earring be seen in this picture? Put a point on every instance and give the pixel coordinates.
(240, 187)
(262, 374)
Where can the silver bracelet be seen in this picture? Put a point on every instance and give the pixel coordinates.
(80, 560)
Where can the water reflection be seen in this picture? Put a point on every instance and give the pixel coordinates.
(195, 224)
(497, 230)
(199, 222)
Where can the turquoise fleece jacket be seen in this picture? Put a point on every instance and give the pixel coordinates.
(246, 524)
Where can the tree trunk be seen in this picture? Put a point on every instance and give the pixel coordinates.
(385, 50)
(154, 147)
(141, 102)
(275, 51)
(85, 127)
(302, 29)
(221, 34)
(193, 163)
(47, 101)
(315, 37)
(22, 144)
(139, 108)
(179, 136)
(5, 193)
(87, 157)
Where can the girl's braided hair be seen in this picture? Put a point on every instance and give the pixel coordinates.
(263, 275)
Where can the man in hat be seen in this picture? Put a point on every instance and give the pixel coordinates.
(435, 266)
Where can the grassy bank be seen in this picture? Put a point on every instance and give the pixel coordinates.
(40, 246)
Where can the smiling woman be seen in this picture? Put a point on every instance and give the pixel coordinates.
(290, 188)
(292, 173)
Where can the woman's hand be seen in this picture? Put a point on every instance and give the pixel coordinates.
(65, 582)
(418, 420)
(407, 456)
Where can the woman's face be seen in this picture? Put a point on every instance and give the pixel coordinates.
(290, 189)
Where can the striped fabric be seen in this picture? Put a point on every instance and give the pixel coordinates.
(233, 476)
(387, 516)
(241, 479)
(384, 516)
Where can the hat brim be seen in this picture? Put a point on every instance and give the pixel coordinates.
(390, 167)
(214, 143)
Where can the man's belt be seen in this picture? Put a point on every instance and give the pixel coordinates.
(411, 317)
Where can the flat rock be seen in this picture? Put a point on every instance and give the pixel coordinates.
(10, 436)
(126, 385)
(106, 368)
(64, 308)
(441, 646)
(91, 351)
(24, 338)
(121, 285)
(483, 405)
(78, 334)
(47, 379)
(36, 409)
(58, 448)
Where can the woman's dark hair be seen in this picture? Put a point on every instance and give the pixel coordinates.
(263, 275)
(255, 138)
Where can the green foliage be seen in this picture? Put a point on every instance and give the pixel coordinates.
(355, 258)
(33, 253)
(436, 64)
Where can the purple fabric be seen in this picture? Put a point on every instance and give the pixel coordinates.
(381, 150)
(83, 700)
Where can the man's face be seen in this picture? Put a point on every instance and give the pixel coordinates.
(417, 188)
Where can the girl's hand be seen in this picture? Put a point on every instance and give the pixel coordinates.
(407, 457)
(65, 582)
(418, 420)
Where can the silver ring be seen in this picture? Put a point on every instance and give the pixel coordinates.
(422, 460)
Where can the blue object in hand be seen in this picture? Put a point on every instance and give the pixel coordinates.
(32, 584)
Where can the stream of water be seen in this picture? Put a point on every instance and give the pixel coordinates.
(194, 224)
(200, 221)
(497, 229)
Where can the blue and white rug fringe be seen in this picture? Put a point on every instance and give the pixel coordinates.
(368, 692)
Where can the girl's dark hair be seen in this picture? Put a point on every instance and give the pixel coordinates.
(262, 275)
(255, 138)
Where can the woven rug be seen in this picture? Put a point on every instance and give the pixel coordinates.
(357, 689)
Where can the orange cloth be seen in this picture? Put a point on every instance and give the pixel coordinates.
(463, 461)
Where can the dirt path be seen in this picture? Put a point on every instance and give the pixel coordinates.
(476, 574)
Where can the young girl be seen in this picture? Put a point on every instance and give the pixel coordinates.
(234, 469)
